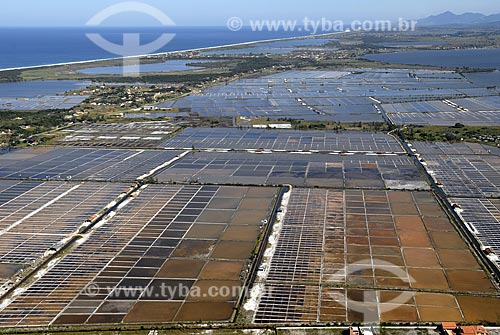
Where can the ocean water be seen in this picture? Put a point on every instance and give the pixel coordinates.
(474, 58)
(22, 47)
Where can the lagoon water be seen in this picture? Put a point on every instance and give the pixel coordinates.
(408, 44)
(279, 47)
(484, 78)
(38, 88)
(175, 65)
(473, 58)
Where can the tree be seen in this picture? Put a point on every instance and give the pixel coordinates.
(451, 136)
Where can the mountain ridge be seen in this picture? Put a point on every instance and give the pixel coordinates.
(466, 19)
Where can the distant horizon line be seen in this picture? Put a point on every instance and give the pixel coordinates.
(205, 25)
(145, 26)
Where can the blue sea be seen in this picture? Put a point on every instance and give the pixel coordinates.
(22, 47)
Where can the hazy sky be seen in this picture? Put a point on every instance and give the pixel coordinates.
(216, 12)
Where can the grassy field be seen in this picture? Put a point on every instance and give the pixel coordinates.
(457, 133)
(315, 125)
